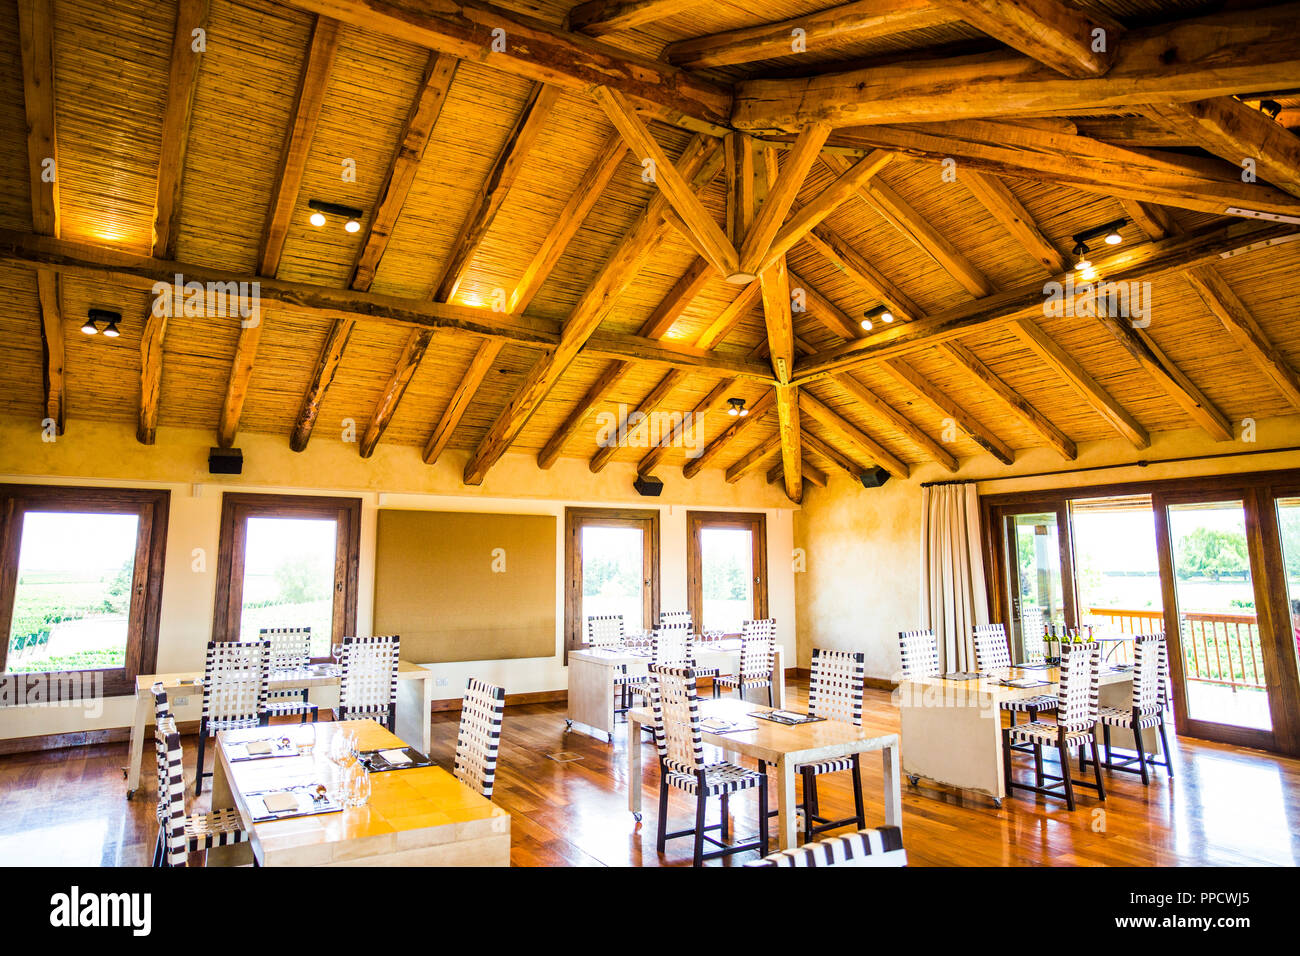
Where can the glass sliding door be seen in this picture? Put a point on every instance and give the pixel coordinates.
(1288, 521)
(1223, 676)
(1036, 582)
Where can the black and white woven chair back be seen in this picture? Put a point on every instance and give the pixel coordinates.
(671, 644)
(919, 653)
(479, 738)
(171, 792)
(673, 618)
(991, 649)
(368, 685)
(837, 684)
(882, 846)
(676, 706)
(1031, 633)
(161, 708)
(1079, 690)
(757, 648)
(290, 647)
(1150, 674)
(605, 630)
(236, 684)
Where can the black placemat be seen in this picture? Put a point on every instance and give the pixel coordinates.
(373, 762)
(308, 808)
(788, 721)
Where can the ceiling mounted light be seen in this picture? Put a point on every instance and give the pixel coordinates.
(1081, 261)
(737, 407)
(880, 312)
(322, 211)
(1108, 232)
(102, 315)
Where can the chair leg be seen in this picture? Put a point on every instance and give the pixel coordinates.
(1096, 770)
(1164, 747)
(726, 818)
(1006, 759)
(663, 816)
(857, 793)
(1038, 764)
(158, 849)
(771, 694)
(762, 810)
(701, 808)
(1065, 771)
(809, 804)
(1083, 758)
(1105, 732)
(198, 772)
(1141, 754)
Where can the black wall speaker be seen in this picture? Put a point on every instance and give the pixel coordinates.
(874, 477)
(225, 461)
(648, 486)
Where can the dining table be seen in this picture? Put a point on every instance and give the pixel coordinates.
(952, 724)
(782, 747)
(185, 690)
(415, 816)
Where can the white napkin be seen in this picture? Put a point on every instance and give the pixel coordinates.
(395, 758)
(280, 802)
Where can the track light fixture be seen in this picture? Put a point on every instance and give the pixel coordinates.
(737, 407)
(110, 320)
(321, 211)
(1108, 232)
(880, 313)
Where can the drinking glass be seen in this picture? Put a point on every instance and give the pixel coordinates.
(337, 652)
(356, 785)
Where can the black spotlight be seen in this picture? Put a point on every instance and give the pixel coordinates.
(648, 486)
(225, 461)
(874, 477)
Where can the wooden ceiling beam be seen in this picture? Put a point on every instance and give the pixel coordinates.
(818, 411)
(1191, 59)
(1152, 219)
(1202, 183)
(1020, 406)
(756, 457)
(672, 184)
(896, 420)
(705, 405)
(1102, 402)
(900, 214)
(781, 194)
(788, 434)
(639, 242)
(599, 17)
(644, 409)
(421, 118)
(1236, 132)
(863, 20)
(538, 51)
(660, 321)
(479, 366)
(832, 454)
(1162, 370)
(867, 277)
(978, 432)
(1245, 330)
(474, 229)
(312, 83)
(182, 81)
(760, 408)
(810, 471)
(36, 43)
(995, 196)
(1136, 262)
(1060, 36)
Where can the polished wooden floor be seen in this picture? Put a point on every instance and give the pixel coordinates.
(1224, 807)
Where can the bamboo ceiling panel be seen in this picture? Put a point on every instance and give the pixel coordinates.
(15, 190)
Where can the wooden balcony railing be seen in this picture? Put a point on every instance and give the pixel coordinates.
(1221, 649)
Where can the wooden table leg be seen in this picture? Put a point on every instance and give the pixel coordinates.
(788, 838)
(893, 786)
(137, 745)
(634, 765)
(222, 797)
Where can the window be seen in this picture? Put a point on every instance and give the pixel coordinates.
(288, 561)
(611, 560)
(726, 569)
(80, 583)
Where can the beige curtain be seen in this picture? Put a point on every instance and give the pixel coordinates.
(953, 599)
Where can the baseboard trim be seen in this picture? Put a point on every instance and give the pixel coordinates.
(512, 700)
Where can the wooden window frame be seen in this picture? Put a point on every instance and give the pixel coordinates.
(1259, 492)
(756, 524)
(152, 507)
(647, 520)
(237, 507)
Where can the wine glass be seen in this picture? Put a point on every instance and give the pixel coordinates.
(337, 652)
